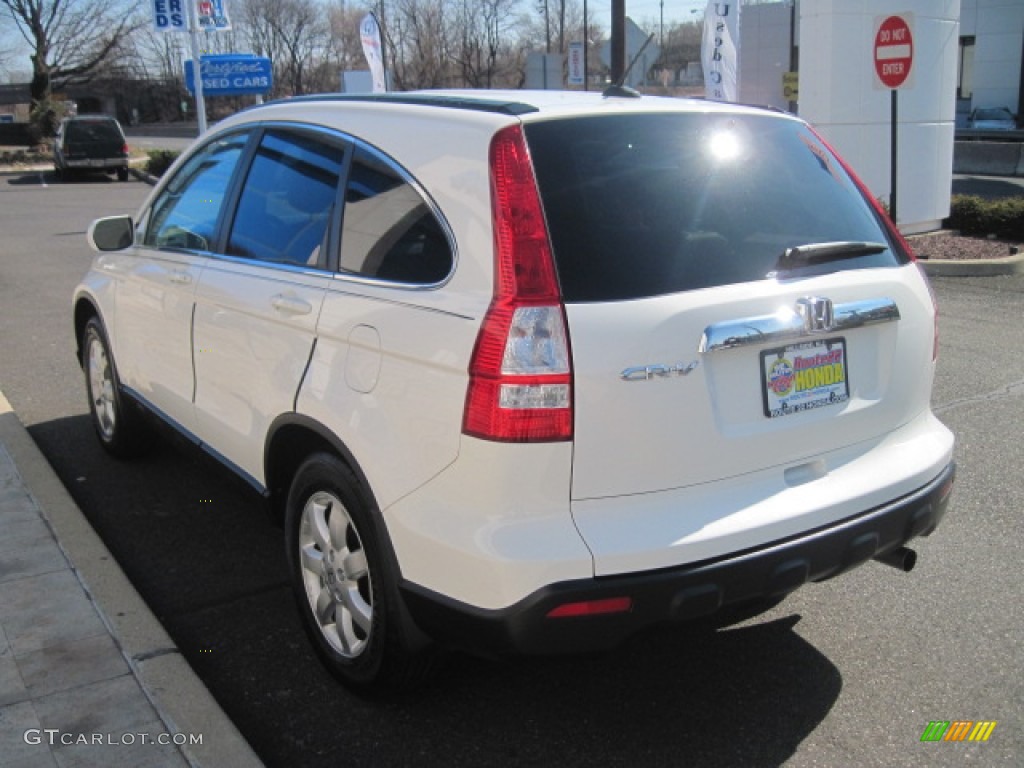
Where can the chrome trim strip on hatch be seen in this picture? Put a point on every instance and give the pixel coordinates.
(796, 323)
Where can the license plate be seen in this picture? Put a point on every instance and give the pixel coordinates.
(804, 376)
(97, 163)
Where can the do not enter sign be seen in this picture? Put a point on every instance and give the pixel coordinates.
(894, 51)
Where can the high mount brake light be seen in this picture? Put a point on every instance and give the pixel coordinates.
(520, 375)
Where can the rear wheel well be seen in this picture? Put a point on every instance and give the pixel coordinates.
(290, 445)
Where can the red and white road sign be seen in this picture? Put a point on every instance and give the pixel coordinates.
(894, 51)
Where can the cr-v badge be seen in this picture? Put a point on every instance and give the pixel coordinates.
(648, 372)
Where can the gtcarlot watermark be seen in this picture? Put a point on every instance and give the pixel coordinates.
(55, 737)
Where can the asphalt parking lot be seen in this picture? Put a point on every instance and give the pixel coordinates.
(849, 672)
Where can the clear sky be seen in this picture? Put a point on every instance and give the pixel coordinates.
(643, 10)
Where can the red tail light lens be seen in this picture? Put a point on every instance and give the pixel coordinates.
(592, 608)
(520, 375)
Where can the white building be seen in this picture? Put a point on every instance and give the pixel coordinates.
(966, 54)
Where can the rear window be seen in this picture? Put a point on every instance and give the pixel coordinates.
(644, 205)
(94, 130)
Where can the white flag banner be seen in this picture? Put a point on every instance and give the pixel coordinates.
(720, 50)
(369, 34)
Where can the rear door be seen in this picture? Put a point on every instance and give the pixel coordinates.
(699, 353)
(257, 305)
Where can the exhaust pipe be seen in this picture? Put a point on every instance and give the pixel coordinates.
(903, 558)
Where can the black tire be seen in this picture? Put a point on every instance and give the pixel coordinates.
(120, 429)
(122, 174)
(344, 584)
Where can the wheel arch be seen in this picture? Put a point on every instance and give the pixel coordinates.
(85, 308)
(291, 439)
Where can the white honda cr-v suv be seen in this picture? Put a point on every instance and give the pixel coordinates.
(527, 372)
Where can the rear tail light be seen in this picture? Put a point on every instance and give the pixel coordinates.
(124, 149)
(520, 375)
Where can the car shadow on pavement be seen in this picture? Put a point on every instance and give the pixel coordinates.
(211, 568)
(37, 178)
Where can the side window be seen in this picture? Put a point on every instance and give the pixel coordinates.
(287, 199)
(185, 214)
(389, 232)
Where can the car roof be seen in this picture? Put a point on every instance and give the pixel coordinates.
(523, 104)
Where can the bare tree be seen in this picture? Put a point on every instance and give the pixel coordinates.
(485, 42)
(346, 50)
(295, 35)
(68, 38)
(418, 39)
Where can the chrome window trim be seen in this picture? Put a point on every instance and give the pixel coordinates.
(335, 135)
(788, 324)
(282, 266)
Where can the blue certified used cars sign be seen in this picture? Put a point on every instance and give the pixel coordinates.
(231, 74)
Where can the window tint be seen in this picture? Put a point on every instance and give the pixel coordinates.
(287, 199)
(389, 232)
(643, 205)
(185, 214)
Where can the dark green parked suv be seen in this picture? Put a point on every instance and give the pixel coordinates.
(90, 143)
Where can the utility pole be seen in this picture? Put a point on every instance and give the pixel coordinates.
(586, 47)
(661, 34)
(547, 30)
(618, 39)
(561, 26)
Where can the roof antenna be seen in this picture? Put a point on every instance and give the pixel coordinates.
(619, 89)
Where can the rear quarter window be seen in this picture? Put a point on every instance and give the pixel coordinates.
(649, 204)
(389, 231)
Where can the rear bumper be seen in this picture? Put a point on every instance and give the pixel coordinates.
(682, 593)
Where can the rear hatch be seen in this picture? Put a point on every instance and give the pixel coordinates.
(93, 139)
(733, 301)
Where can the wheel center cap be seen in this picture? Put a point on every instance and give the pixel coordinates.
(334, 576)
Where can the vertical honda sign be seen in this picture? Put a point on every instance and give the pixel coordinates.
(369, 34)
(720, 50)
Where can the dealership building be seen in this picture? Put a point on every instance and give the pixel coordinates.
(964, 54)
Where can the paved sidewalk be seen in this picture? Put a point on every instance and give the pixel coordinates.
(88, 677)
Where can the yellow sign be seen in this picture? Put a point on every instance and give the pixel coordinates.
(791, 86)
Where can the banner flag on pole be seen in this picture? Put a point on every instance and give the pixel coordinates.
(720, 50)
(369, 34)
(213, 16)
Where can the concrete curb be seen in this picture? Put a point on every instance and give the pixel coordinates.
(177, 694)
(1011, 265)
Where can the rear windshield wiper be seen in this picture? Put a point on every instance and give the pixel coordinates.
(817, 253)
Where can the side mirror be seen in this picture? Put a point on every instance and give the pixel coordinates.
(114, 233)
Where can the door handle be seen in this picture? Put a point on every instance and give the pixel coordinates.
(291, 305)
(181, 277)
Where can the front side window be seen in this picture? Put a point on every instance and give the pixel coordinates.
(287, 200)
(389, 230)
(186, 212)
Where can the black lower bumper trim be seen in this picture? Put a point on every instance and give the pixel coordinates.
(679, 594)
